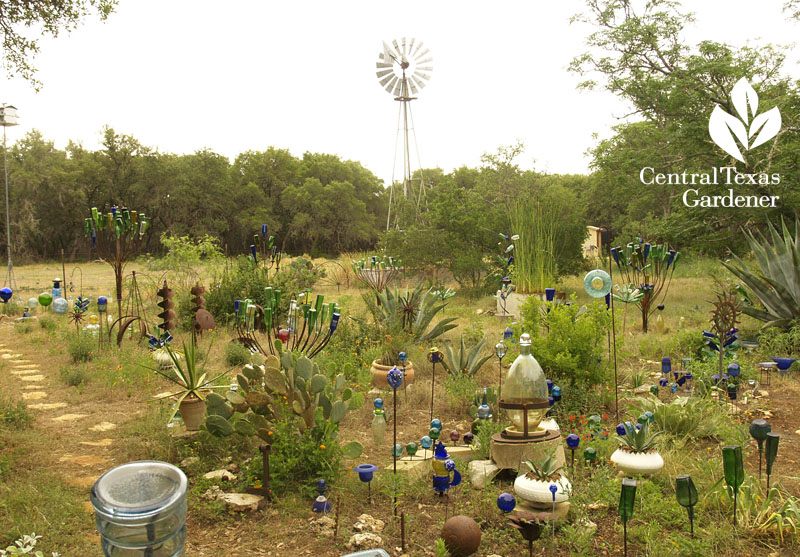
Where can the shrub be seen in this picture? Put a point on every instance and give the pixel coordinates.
(236, 354)
(569, 341)
(81, 346)
(14, 414)
(48, 324)
(74, 376)
(185, 251)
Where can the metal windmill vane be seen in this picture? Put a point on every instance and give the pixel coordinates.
(403, 70)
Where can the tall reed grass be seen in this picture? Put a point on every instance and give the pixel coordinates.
(534, 251)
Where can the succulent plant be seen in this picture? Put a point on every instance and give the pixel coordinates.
(463, 361)
(638, 440)
(544, 469)
(265, 383)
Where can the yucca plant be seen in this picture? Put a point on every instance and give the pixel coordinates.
(545, 469)
(191, 380)
(778, 284)
(413, 311)
(638, 441)
(463, 361)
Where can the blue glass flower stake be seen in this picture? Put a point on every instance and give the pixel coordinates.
(321, 504)
(500, 350)
(365, 473)
(395, 378)
(573, 441)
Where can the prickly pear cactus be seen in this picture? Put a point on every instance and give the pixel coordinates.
(270, 387)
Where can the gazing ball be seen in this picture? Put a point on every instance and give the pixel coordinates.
(434, 433)
(461, 535)
(454, 436)
(378, 403)
(45, 299)
(506, 502)
(449, 465)
(734, 369)
(397, 450)
(395, 378)
(621, 429)
(469, 438)
(437, 423)
(5, 294)
(402, 356)
(642, 419)
(60, 305)
(650, 416)
(426, 442)
(590, 454)
(654, 389)
(663, 381)
(573, 441)
(283, 335)
(32, 303)
(411, 449)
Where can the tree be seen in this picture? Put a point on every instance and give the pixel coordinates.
(44, 18)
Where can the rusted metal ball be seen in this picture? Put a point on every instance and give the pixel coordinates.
(461, 536)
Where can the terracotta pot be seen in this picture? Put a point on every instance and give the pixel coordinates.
(379, 372)
(193, 412)
(637, 463)
(537, 491)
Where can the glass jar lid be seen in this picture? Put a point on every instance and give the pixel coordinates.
(139, 490)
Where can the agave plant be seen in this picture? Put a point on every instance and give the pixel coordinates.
(463, 361)
(545, 469)
(190, 379)
(638, 441)
(413, 311)
(778, 284)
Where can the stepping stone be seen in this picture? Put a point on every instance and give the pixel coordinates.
(103, 426)
(10, 356)
(242, 502)
(84, 460)
(22, 361)
(48, 405)
(25, 366)
(101, 443)
(82, 481)
(5, 351)
(32, 387)
(69, 417)
(25, 371)
(32, 378)
(34, 395)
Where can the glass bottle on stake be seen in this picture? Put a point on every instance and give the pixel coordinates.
(525, 383)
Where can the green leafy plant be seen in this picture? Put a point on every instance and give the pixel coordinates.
(236, 354)
(534, 267)
(463, 361)
(778, 285)
(81, 346)
(25, 546)
(14, 414)
(639, 441)
(544, 469)
(191, 380)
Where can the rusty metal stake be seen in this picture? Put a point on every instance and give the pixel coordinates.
(265, 450)
(403, 531)
(336, 523)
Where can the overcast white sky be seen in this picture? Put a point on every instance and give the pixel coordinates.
(183, 75)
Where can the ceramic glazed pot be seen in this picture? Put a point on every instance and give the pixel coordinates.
(379, 372)
(193, 412)
(784, 363)
(637, 463)
(537, 491)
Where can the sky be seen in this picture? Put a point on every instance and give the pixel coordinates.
(184, 75)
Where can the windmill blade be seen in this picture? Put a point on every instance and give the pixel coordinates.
(424, 68)
(425, 61)
(413, 86)
(411, 46)
(423, 53)
(420, 77)
(390, 86)
(386, 79)
(387, 54)
(417, 82)
(398, 90)
(396, 46)
(403, 47)
(382, 73)
(383, 65)
(423, 76)
(419, 46)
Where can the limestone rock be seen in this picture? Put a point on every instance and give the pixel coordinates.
(587, 526)
(482, 472)
(213, 493)
(242, 502)
(366, 523)
(222, 475)
(189, 461)
(322, 526)
(364, 541)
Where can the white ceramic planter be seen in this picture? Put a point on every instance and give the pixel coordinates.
(637, 463)
(537, 491)
(161, 357)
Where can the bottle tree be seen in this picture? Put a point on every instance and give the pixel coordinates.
(117, 238)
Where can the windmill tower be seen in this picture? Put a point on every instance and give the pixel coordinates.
(403, 70)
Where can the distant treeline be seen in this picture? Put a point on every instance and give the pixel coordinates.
(314, 204)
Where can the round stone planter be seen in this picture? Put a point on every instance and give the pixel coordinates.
(379, 372)
(538, 492)
(193, 412)
(637, 463)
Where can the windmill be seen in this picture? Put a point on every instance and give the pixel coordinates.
(403, 70)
